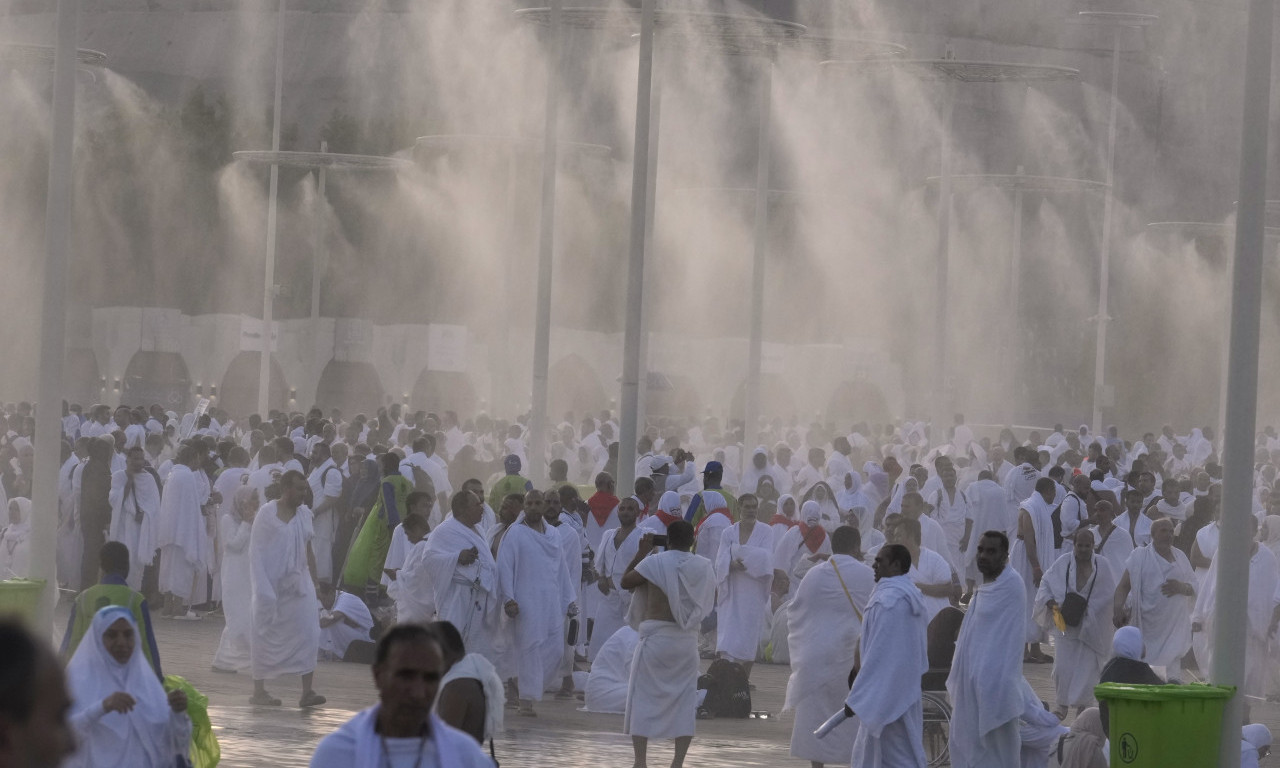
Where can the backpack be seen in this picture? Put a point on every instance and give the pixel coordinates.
(728, 692)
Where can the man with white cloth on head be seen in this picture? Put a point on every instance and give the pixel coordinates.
(893, 654)
(533, 582)
(135, 513)
(986, 699)
(1264, 583)
(1082, 648)
(402, 730)
(1157, 594)
(744, 574)
(186, 550)
(672, 592)
(617, 548)
(802, 547)
(1033, 553)
(824, 624)
(464, 575)
(286, 629)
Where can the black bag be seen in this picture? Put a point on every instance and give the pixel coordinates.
(728, 692)
(1074, 604)
(1057, 527)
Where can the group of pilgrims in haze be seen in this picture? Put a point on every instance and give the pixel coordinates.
(886, 553)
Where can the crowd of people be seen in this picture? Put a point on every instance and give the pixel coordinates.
(421, 544)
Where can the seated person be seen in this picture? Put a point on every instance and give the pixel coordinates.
(1126, 666)
(1082, 747)
(344, 620)
(471, 697)
(606, 689)
(120, 714)
(1255, 744)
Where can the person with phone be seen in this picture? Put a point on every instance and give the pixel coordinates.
(673, 591)
(617, 548)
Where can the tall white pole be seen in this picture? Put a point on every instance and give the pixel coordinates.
(751, 403)
(1230, 617)
(269, 282)
(630, 401)
(319, 263)
(655, 142)
(941, 415)
(546, 256)
(1104, 267)
(58, 235)
(1013, 328)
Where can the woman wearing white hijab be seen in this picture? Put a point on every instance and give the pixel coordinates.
(15, 541)
(120, 714)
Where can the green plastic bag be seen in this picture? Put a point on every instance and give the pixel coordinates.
(205, 752)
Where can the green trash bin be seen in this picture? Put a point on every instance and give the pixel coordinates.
(21, 598)
(1164, 726)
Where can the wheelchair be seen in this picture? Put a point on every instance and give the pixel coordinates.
(943, 631)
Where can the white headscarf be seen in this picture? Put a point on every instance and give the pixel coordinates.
(15, 542)
(17, 533)
(141, 737)
(1127, 643)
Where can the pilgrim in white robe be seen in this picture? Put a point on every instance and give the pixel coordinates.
(185, 547)
(357, 744)
(15, 541)
(983, 685)
(662, 693)
(1080, 652)
(712, 526)
(1115, 548)
(413, 591)
(824, 624)
(799, 550)
(606, 688)
(743, 593)
(237, 596)
(886, 694)
(131, 497)
(1165, 621)
(991, 512)
(1042, 523)
(1039, 730)
(70, 542)
(532, 572)
(1264, 595)
(337, 637)
(571, 546)
(953, 513)
(611, 609)
(286, 628)
(397, 550)
(465, 595)
(150, 735)
(932, 569)
(326, 484)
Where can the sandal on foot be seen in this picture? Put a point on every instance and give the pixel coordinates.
(264, 699)
(311, 699)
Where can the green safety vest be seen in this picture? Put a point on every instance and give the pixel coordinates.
(100, 596)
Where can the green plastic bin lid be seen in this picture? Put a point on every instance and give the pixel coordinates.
(1126, 692)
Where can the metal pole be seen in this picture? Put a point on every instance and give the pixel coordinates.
(269, 286)
(1013, 329)
(941, 416)
(655, 136)
(751, 403)
(318, 266)
(1104, 280)
(58, 243)
(1230, 617)
(546, 255)
(629, 404)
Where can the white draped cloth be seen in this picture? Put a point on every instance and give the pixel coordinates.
(931, 569)
(357, 745)
(1165, 621)
(412, 589)
(237, 595)
(611, 609)
(286, 625)
(1264, 595)
(983, 685)
(15, 541)
(606, 688)
(1080, 652)
(186, 551)
(824, 625)
(886, 694)
(465, 595)
(743, 594)
(1041, 514)
(532, 571)
(131, 496)
(473, 666)
(1115, 549)
(337, 637)
(793, 553)
(662, 692)
(151, 735)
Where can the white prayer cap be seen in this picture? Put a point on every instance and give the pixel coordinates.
(657, 464)
(811, 512)
(670, 503)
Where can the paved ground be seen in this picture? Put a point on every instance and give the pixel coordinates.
(258, 737)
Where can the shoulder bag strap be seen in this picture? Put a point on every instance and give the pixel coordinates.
(843, 586)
